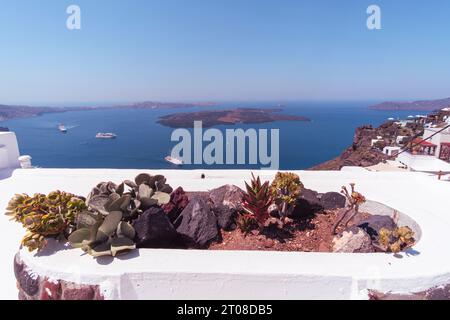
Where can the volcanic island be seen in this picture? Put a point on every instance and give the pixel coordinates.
(212, 118)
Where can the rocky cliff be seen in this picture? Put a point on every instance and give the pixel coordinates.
(361, 153)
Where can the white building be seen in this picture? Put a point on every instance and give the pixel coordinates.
(399, 140)
(441, 140)
(391, 151)
(9, 150)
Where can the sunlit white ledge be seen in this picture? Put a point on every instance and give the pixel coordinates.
(178, 274)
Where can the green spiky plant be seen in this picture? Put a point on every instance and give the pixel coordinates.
(256, 201)
(285, 189)
(246, 222)
(45, 216)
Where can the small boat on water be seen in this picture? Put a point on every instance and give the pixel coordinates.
(62, 128)
(174, 161)
(107, 135)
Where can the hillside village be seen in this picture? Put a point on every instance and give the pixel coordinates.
(418, 143)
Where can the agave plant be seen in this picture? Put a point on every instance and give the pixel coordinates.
(130, 197)
(396, 240)
(286, 188)
(43, 216)
(257, 200)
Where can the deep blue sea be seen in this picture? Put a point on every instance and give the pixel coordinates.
(143, 143)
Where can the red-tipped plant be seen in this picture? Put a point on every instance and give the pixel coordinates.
(257, 200)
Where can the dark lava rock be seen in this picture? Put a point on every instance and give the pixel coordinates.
(197, 224)
(435, 293)
(332, 200)
(439, 293)
(178, 201)
(78, 292)
(28, 282)
(375, 223)
(18, 266)
(226, 217)
(154, 230)
(199, 194)
(228, 195)
(307, 204)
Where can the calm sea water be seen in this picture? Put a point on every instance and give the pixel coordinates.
(142, 143)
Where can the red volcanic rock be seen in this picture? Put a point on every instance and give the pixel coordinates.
(50, 290)
(34, 287)
(178, 201)
(78, 292)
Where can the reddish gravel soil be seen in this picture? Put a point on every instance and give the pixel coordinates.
(312, 234)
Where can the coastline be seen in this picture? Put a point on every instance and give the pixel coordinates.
(363, 152)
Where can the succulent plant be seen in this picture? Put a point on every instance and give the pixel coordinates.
(130, 197)
(396, 240)
(246, 223)
(257, 200)
(286, 188)
(51, 215)
(105, 230)
(100, 235)
(354, 200)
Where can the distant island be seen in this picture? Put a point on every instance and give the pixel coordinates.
(11, 112)
(423, 105)
(233, 116)
(166, 105)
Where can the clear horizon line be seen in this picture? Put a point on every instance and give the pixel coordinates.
(276, 101)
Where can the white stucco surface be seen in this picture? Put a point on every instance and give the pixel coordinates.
(9, 150)
(193, 274)
(423, 163)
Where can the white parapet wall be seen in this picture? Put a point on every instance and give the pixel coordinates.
(9, 150)
(197, 274)
(423, 163)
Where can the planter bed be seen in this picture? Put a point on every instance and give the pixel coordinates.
(175, 273)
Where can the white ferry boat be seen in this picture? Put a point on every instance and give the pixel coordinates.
(174, 161)
(107, 135)
(62, 128)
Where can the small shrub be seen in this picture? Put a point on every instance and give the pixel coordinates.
(286, 188)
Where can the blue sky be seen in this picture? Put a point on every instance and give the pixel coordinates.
(274, 50)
